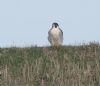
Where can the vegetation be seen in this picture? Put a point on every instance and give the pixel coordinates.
(50, 66)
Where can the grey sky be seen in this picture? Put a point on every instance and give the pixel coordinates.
(26, 22)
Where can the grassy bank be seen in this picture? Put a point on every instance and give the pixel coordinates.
(48, 66)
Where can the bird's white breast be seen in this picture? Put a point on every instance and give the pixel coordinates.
(55, 32)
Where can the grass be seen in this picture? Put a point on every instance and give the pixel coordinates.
(49, 66)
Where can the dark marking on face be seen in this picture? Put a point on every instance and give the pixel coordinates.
(55, 25)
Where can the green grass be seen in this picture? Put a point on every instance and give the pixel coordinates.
(50, 66)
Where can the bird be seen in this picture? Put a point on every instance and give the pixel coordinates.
(55, 35)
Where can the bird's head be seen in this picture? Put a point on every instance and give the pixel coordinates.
(55, 25)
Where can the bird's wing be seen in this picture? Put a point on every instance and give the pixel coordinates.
(61, 35)
(61, 31)
(49, 36)
(49, 31)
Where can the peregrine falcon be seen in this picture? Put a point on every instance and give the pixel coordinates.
(55, 35)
